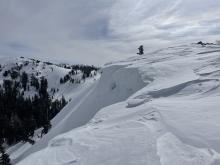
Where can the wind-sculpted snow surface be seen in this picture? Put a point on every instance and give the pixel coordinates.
(158, 109)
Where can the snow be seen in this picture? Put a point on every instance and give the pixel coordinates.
(161, 108)
(135, 102)
(91, 99)
(172, 151)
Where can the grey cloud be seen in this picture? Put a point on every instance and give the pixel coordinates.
(98, 31)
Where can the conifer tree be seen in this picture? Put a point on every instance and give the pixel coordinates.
(24, 80)
(141, 50)
(34, 82)
(4, 157)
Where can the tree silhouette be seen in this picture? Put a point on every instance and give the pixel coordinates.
(141, 50)
(4, 158)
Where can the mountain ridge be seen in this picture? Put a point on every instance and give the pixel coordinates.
(159, 109)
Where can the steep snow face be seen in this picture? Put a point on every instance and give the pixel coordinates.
(158, 109)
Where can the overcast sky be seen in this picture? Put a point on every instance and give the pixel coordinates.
(98, 31)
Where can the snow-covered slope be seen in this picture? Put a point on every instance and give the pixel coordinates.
(52, 73)
(158, 109)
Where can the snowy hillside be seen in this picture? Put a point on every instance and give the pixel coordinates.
(31, 94)
(161, 108)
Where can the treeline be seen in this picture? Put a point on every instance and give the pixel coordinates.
(20, 116)
(86, 70)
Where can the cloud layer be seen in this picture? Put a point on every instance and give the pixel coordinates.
(83, 31)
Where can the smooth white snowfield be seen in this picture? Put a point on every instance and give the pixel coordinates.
(161, 108)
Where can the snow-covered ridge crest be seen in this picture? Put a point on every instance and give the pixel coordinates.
(158, 109)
